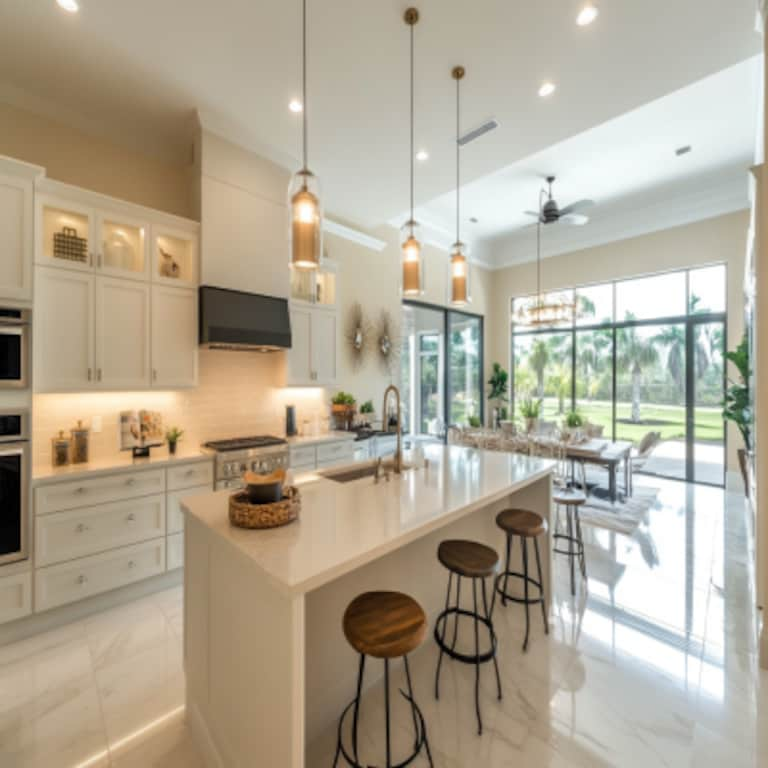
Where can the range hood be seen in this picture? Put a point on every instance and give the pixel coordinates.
(238, 320)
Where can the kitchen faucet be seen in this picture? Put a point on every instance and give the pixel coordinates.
(398, 467)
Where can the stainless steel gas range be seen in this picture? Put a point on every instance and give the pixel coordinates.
(262, 454)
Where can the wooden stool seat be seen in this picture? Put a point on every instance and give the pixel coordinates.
(385, 625)
(521, 522)
(468, 558)
(569, 497)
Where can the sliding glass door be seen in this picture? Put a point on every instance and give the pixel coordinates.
(465, 374)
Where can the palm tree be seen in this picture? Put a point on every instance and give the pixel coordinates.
(538, 360)
(635, 353)
(673, 338)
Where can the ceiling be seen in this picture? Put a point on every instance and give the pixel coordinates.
(137, 71)
(625, 165)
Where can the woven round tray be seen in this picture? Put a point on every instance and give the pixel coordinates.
(243, 514)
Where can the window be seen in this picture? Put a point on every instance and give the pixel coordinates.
(430, 389)
(646, 298)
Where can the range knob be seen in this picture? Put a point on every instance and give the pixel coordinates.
(243, 468)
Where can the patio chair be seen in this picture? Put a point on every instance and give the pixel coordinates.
(593, 430)
(643, 452)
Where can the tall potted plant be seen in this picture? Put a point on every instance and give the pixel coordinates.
(498, 393)
(737, 407)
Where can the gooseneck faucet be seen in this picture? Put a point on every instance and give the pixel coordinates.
(398, 467)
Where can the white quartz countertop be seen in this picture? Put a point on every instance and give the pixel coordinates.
(326, 437)
(124, 462)
(342, 526)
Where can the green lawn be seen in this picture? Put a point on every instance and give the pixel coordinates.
(667, 419)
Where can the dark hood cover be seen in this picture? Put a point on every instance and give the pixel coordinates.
(239, 320)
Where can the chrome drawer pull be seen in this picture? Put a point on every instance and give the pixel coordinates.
(81, 528)
(130, 481)
(131, 517)
(80, 489)
(81, 579)
(131, 564)
(190, 472)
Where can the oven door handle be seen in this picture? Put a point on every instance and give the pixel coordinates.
(13, 451)
(12, 330)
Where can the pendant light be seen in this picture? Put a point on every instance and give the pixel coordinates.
(544, 312)
(304, 209)
(412, 272)
(458, 270)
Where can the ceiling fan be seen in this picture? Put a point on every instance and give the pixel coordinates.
(550, 213)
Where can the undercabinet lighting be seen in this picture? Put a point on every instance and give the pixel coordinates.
(547, 89)
(587, 15)
(295, 106)
(422, 155)
(70, 6)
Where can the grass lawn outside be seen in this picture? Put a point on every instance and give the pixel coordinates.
(667, 419)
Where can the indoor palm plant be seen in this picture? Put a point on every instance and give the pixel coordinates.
(498, 394)
(737, 406)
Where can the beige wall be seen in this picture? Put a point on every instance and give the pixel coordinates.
(85, 161)
(721, 239)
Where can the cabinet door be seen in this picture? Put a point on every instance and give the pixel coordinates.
(174, 257)
(122, 333)
(323, 347)
(123, 246)
(174, 337)
(16, 236)
(63, 330)
(299, 356)
(64, 234)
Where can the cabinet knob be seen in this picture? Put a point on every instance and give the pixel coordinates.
(130, 481)
(81, 528)
(81, 579)
(154, 374)
(131, 564)
(80, 489)
(131, 517)
(190, 472)
(98, 374)
(90, 374)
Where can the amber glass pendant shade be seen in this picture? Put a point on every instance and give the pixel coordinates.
(306, 225)
(459, 293)
(412, 271)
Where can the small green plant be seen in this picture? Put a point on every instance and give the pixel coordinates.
(367, 407)
(474, 421)
(498, 385)
(530, 408)
(343, 398)
(174, 434)
(503, 413)
(574, 420)
(737, 407)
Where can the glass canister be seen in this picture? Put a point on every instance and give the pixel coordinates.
(60, 446)
(80, 437)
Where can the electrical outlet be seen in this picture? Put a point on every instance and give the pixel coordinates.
(96, 424)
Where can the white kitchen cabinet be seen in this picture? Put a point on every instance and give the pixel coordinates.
(15, 596)
(174, 337)
(175, 257)
(174, 557)
(16, 228)
(122, 245)
(122, 333)
(64, 330)
(312, 357)
(65, 233)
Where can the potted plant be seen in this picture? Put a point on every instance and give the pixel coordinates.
(572, 425)
(474, 422)
(498, 393)
(737, 406)
(172, 436)
(530, 410)
(367, 411)
(343, 408)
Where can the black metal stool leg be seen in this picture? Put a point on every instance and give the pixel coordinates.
(386, 707)
(541, 587)
(456, 622)
(493, 638)
(419, 735)
(445, 627)
(357, 705)
(582, 556)
(571, 545)
(507, 569)
(524, 545)
(477, 658)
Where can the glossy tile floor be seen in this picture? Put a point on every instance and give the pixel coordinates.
(656, 666)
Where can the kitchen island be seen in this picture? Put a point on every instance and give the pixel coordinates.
(268, 669)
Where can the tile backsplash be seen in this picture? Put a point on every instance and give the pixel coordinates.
(239, 393)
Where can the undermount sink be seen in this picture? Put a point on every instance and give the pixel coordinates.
(350, 474)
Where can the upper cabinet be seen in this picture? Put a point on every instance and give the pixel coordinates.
(315, 286)
(16, 228)
(175, 258)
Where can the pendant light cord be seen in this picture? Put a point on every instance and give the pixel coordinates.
(412, 128)
(458, 177)
(304, 80)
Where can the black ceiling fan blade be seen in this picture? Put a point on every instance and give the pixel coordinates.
(532, 213)
(579, 205)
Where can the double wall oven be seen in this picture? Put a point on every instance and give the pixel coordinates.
(14, 485)
(15, 333)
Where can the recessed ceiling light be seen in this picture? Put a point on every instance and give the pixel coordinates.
(422, 155)
(295, 106)
(547, 89)
(70, 6)
(587, 15)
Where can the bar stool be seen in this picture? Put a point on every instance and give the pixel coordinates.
(526, 525)
(385, 625)
(571, 499)
(467, 559)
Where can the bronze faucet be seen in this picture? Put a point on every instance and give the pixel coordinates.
(398, 466)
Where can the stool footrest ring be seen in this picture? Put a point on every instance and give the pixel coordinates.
(522, 577)
(480, 658)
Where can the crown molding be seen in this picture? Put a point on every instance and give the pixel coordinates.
(621, 222)
(353, 235)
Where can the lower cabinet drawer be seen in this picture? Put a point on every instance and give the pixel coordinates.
(335, 452)
(15, 596)
(303, 458)
(64, 536)
(175, 517)
(66, 583)
(174, 557)
(190, 475)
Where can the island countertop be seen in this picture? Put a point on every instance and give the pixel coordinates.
(342, 526)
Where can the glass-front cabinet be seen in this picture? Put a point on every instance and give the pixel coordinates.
(123, 246)
(174, 257)
(315, 286)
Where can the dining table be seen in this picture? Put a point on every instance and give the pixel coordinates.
(608, 454)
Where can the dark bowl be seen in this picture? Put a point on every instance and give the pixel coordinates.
(265, 493)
